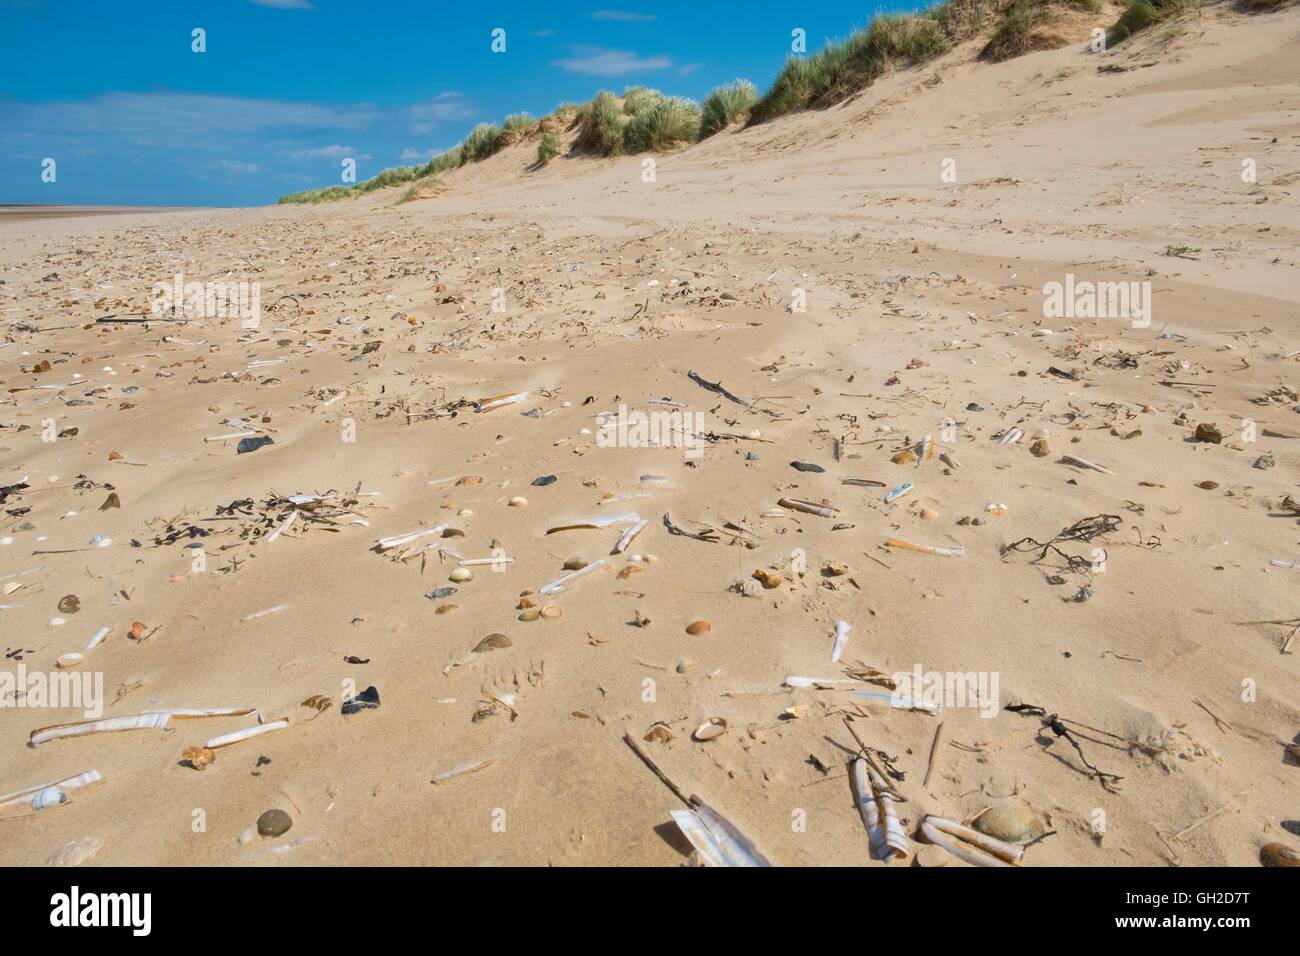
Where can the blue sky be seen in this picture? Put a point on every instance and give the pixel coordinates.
(113, 92)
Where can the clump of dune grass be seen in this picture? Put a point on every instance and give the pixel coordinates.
(670, 122)
(601, 129)
(1142, 15)
(518, 122)
(726, 105)
(638, 99)
(1018, 31)
(483, 140)
(548, 148)
(841, 69)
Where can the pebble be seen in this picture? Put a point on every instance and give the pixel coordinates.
(437, 594)
(769, 579)
(274, 823)
(1209, 432)
(1039, 448)
(493, 642)
(1011, 822)
(807, 466)
(544, 480)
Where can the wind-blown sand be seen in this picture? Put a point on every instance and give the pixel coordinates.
(614, 289)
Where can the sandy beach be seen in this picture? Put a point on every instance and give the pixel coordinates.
(1109, 496)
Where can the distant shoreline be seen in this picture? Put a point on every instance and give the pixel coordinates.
(17, 212)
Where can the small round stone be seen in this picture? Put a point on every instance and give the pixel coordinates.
(274, 823)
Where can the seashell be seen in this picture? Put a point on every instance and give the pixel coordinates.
(842, 629)
(925, 548)
(469, 480)
(1009, 821)
(12, 586)
(518, 502)
(497, 401)
(969, 845)
(769, 579)
(198, 757)
(996, 509)
(225, 740)
(928, 514)
(493, 642)
(1085, 463)
(68, 660)
(1010, 436)
(50, 796)
(876, 804)
(626, 537)
(795, 712)
(76, 852)
(711, 729)
(396, 541)
(807, 507)
(659, 734)
(904, 457)
(461, 574)
(149, 720)
(558, 585)
(574, 564)
(551, 612)
(896, 493)
(604, 521)
(716, 839)
(529, 614)
(1278, 854)
(628, 571)
(685, 665)
(137, 630)
(836, 570)
(699, 627)
(1040, 448)
(69, 604)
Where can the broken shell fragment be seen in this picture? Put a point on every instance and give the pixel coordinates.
(50, 796)
(198, 757)
(497, 401)
(807, 507)
(711, 729)
(1278, 854)
(769, 579)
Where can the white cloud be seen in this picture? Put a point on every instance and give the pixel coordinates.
(423, 117)
(324, 152)
(623, 16)
(411, 154)
(235, 166)
(596, 61)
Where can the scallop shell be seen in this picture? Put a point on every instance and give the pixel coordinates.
(711, 729)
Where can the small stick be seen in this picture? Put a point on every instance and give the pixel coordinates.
(645, 758)
(934, 752)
